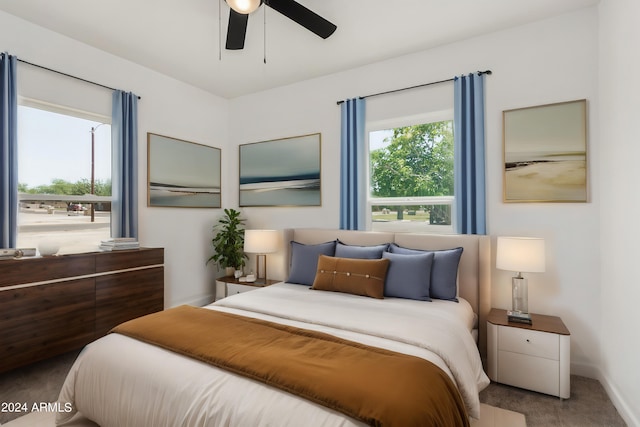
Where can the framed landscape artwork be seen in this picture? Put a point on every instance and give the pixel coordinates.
(182, 174)
(545, 153)
(281, 172)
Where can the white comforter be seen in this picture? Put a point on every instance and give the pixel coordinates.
(119, 381)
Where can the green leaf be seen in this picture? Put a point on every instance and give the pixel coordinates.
(228, 242)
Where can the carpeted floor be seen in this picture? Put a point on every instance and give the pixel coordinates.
(40, 382)
(588, 406)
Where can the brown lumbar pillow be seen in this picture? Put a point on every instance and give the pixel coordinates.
(353, 276)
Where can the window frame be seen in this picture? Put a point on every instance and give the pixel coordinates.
(431, 117)
(61, 109)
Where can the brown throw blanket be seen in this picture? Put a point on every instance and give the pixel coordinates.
(376, 386)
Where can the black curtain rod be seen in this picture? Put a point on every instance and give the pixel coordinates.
(414, 87)
(65, 74)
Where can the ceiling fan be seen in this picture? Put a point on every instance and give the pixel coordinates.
(240, 10)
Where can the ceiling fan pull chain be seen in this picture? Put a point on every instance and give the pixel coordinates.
(219, 30)
(264, 38)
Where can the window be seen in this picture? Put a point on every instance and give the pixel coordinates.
(57, 199)
(411, 176)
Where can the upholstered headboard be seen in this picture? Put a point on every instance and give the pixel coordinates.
(474, 272)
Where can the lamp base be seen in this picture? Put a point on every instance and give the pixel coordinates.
(259, 278)
(519, 295)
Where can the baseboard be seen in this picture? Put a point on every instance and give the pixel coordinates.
(621, 404)
(199, 302)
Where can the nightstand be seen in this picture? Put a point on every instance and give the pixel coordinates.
(233, 286)
(535, 357)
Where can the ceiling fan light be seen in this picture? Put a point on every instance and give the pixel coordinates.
(244, 7)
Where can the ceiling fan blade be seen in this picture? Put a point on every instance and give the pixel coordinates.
(303, 16)
(237, 30)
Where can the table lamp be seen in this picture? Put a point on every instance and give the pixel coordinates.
(261, 242)
(520, 254)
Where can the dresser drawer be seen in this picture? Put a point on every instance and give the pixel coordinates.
(528, 342)
(530, 372)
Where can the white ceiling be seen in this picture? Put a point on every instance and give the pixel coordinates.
(180, 38)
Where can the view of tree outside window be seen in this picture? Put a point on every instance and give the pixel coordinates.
(411, 177)
(55, 172)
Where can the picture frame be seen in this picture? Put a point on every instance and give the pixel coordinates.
(545, 153)
(281, 172)
(182, 174)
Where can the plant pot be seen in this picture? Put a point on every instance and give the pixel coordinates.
(229, 271)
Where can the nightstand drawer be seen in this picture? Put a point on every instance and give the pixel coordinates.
(528, 342)
(533, 373)
(234, 288)
(229, 285)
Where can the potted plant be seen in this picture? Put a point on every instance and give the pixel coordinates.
(228, 243)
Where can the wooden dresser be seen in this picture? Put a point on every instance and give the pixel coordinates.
(52, 305)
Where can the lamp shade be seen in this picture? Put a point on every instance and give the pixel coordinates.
(244, 7)
(521, 254)
(260, 241)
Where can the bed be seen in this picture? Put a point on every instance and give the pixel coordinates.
(120, 380)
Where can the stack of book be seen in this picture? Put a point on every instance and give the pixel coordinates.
(518, 317)
(119, 243)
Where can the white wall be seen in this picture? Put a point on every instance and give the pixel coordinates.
(168, 107)
(550, 61)
(619, 112)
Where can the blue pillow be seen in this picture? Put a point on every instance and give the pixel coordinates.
(304, 261)
(408, 276)
(444, 272)
(362, 252)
